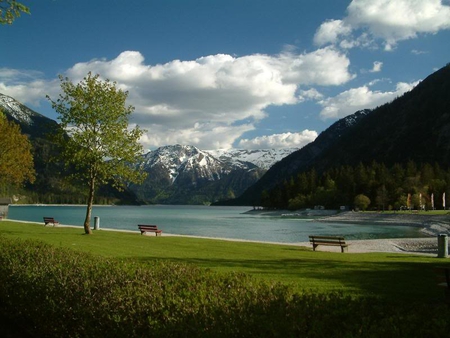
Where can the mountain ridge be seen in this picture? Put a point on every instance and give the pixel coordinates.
(185, 174)
(178, 174)
(415, 126)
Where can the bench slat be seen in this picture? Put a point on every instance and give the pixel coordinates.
(329, 241)
(48, 220)
(149, 228)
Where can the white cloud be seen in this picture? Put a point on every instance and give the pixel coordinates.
(310, 94)
(26, 86)
(331, 31)
(28, 93)
(206, 101)
(212, 100)
(352, 100)
(376, 67)
(285, 140)
(325, 66)
(388, 20)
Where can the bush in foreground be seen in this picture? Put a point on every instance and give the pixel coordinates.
(55, 292)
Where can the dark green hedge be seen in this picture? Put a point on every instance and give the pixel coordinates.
(54, 292)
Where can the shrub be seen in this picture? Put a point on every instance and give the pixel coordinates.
(54, 292)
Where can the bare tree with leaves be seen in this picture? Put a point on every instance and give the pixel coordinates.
(100, 146)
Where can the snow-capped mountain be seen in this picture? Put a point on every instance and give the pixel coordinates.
(185, 174)
(263, 158)
(178, 174)
(16, 110)
(31, 123)
(176, 160)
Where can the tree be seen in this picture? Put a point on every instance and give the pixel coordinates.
(10, 10)
(382, 197)
(100, 146)
(16, 159)
(362, 202)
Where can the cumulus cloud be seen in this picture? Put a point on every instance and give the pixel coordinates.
(331, 31)
(285, 140)
(388, 20)
(208, 99)
(352, 100)
(26, 86)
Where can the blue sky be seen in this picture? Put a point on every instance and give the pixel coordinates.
(229, 74)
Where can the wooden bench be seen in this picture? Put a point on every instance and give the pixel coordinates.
(328, 240)
(149, 228)
(443, 278)
(50, 220)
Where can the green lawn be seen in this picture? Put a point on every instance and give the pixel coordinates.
(387, 275)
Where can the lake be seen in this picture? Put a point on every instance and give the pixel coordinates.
(208, 221)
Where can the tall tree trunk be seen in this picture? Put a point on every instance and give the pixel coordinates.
(87, 221)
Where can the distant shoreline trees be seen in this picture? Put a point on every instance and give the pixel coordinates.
(410, 185)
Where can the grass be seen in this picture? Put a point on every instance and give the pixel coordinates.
(394, 277)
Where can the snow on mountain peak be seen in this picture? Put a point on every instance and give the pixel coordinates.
(17, 110)
(180, 158)
(263, 158)
(212, 164)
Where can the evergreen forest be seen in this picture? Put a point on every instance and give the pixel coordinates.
(400, 186)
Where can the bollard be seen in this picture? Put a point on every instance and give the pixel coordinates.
(442, 246)
(96, 223)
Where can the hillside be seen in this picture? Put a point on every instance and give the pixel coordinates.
(52, 184)
(184, 174)
(415, 126)
(177, 174)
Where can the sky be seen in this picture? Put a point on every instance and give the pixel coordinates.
(219, 74)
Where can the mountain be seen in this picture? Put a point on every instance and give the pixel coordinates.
(33, 124)
(176, 174)
(184, 174)
(298, 160)
(262, 158)
(51, 185)
(415, 126)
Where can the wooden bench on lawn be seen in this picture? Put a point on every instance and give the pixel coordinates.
(443, 277)
(328, 240)
(149, 228)
(50, 220)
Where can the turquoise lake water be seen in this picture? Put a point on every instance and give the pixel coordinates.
(207, 221)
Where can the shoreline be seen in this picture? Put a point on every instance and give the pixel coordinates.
(427, 246)
(431, 225)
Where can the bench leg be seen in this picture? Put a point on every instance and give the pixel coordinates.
(344, 249)
(315, 246)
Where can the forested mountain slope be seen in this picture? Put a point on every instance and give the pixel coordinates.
(415, 126)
